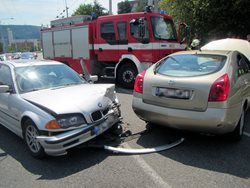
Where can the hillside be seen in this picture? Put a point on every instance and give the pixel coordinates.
(21, 31)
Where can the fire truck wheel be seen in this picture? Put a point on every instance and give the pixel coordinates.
(126, 76)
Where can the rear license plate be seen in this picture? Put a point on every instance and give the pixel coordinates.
(173, 93)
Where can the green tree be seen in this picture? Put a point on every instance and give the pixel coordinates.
(124, 7)
(88, 9)
(211, 19)
(141, 5)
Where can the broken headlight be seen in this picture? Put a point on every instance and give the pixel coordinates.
(70, 120)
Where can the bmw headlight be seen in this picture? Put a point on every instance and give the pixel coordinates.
(70, 120)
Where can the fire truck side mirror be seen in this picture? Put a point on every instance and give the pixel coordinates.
(142, 27)
(134, 22)
(141, 31)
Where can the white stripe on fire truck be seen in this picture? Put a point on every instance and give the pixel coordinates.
(138, 46)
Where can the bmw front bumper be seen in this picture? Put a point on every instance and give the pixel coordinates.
(59, 144)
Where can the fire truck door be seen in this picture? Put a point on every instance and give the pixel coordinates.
(107, 47)
(122, 37)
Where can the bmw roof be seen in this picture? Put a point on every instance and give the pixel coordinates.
(24, 62)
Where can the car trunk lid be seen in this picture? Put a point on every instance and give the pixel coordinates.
(176, 92)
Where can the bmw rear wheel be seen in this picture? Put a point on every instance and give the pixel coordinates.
(30, 134)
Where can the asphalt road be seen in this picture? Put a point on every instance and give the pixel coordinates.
(200, 161)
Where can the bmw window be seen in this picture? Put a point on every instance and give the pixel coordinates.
(5, 75)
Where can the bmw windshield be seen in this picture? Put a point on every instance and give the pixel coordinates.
(163, 29)
(37, 77)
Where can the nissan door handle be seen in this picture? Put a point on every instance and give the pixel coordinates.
(100, 49)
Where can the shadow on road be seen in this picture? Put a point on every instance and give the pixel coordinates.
(50, 167)
(214, 153)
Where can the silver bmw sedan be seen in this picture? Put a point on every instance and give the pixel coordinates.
(51, 107)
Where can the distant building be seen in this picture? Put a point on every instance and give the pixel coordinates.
(25, 44)
(10, 34)
(19, 38)
(21, 44)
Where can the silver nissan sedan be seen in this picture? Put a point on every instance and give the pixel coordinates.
(51, 107)
(206, 91)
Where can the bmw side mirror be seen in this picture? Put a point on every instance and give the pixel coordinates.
(4, 88)
(93, 78)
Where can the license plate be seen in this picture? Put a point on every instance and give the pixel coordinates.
(173, 93)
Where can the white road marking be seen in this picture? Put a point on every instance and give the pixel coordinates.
(246, 134)
(155, 177)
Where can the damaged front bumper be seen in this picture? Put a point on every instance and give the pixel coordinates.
(59, 144)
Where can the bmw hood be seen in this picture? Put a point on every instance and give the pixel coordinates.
(84, 98)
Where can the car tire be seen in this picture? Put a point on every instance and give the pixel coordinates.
(126, 76)
(236, 135)
(30, 132)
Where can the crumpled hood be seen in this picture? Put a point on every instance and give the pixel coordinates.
(84, 98)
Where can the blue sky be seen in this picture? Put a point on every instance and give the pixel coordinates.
(38, 12)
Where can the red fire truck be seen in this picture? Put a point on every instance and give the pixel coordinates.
(114, 46)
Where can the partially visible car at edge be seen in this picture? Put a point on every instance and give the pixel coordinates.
(6, 56)
(27, 55)
(2, 57)
(243, 46)
(52, 108)
(17, 55)
(206, 91)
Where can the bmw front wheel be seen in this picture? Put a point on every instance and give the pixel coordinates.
(30, 137)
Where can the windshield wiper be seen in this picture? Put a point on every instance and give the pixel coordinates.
(65, 85)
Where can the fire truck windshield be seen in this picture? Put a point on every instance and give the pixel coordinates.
(163, 29)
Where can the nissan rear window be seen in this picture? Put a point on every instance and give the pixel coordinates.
(188, 65)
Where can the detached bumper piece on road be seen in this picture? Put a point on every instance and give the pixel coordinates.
(118, 144)
(144, 150)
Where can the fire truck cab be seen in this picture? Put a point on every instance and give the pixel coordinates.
(113, 46)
